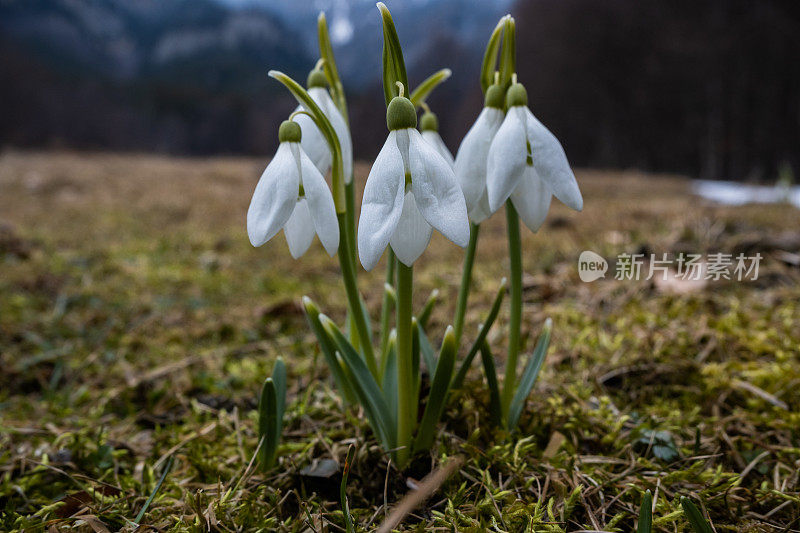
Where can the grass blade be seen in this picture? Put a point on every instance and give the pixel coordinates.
(698, 522)
(487, 324)
(152, 496)
(646, 514)
(529, 376)
(440, 386)
(369, 394)
(348, 462)
(495, 411)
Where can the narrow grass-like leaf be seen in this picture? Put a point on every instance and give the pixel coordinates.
(389, 302)
(440, 386)
(646, 514)
(415, 334)
(698, 522)
(267, 424)
(389, 380)
(365, 387)
(487, 324)
(393, 62)
(495, 410)
(529, 376)
(489, 64)
(508, 56)
(421, 91)
(328, 347)
(329, 66)
(348, 462)
(152, 496)
(426, 349)
(279, 379)
(425, 313)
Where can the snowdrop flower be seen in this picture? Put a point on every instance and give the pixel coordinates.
(293, 195)
(429, 124)
(314, 143)
(409, 189)
(527, 163)
(470, 164)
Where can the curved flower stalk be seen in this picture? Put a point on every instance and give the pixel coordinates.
(429, 125)
(410, 190)
(314, 142)
(527, 164)
(470, 162)
(292, 195)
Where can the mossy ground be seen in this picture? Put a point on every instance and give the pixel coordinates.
(137, 323)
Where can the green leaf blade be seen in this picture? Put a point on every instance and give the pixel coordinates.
(440, 387)
(529, 376)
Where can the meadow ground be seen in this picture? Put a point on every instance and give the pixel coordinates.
(137, 325)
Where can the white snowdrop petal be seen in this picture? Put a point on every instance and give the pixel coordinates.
(551, 163)
(299, 229)
(481, 211)
(320, 205)
(436, 191)
(313, 142)
(470, 162)
(382, 203)
(531, 199)
(323, 99)
(434, 139)
(507, 155)
(274, 196)
(412, 234)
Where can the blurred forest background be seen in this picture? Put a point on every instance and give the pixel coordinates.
(708, 88)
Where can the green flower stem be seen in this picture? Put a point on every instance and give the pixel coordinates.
(353, 297)
(466, 279)
(407, 402)
(515, 321)
(350, 207)
(385, 306)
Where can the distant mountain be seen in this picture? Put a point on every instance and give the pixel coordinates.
(195, 41)
(169, 75)
(191, 75)
(356, 28)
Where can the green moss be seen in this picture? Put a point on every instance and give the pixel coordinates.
(144, 327)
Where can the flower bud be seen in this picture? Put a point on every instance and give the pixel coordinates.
(289, 132)
(316, 78)
(401, 114)
(429, 122)
(494, 97)
(517, 95)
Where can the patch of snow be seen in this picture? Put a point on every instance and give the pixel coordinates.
(733, 193)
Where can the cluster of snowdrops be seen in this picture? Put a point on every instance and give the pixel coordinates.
(507, 160)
